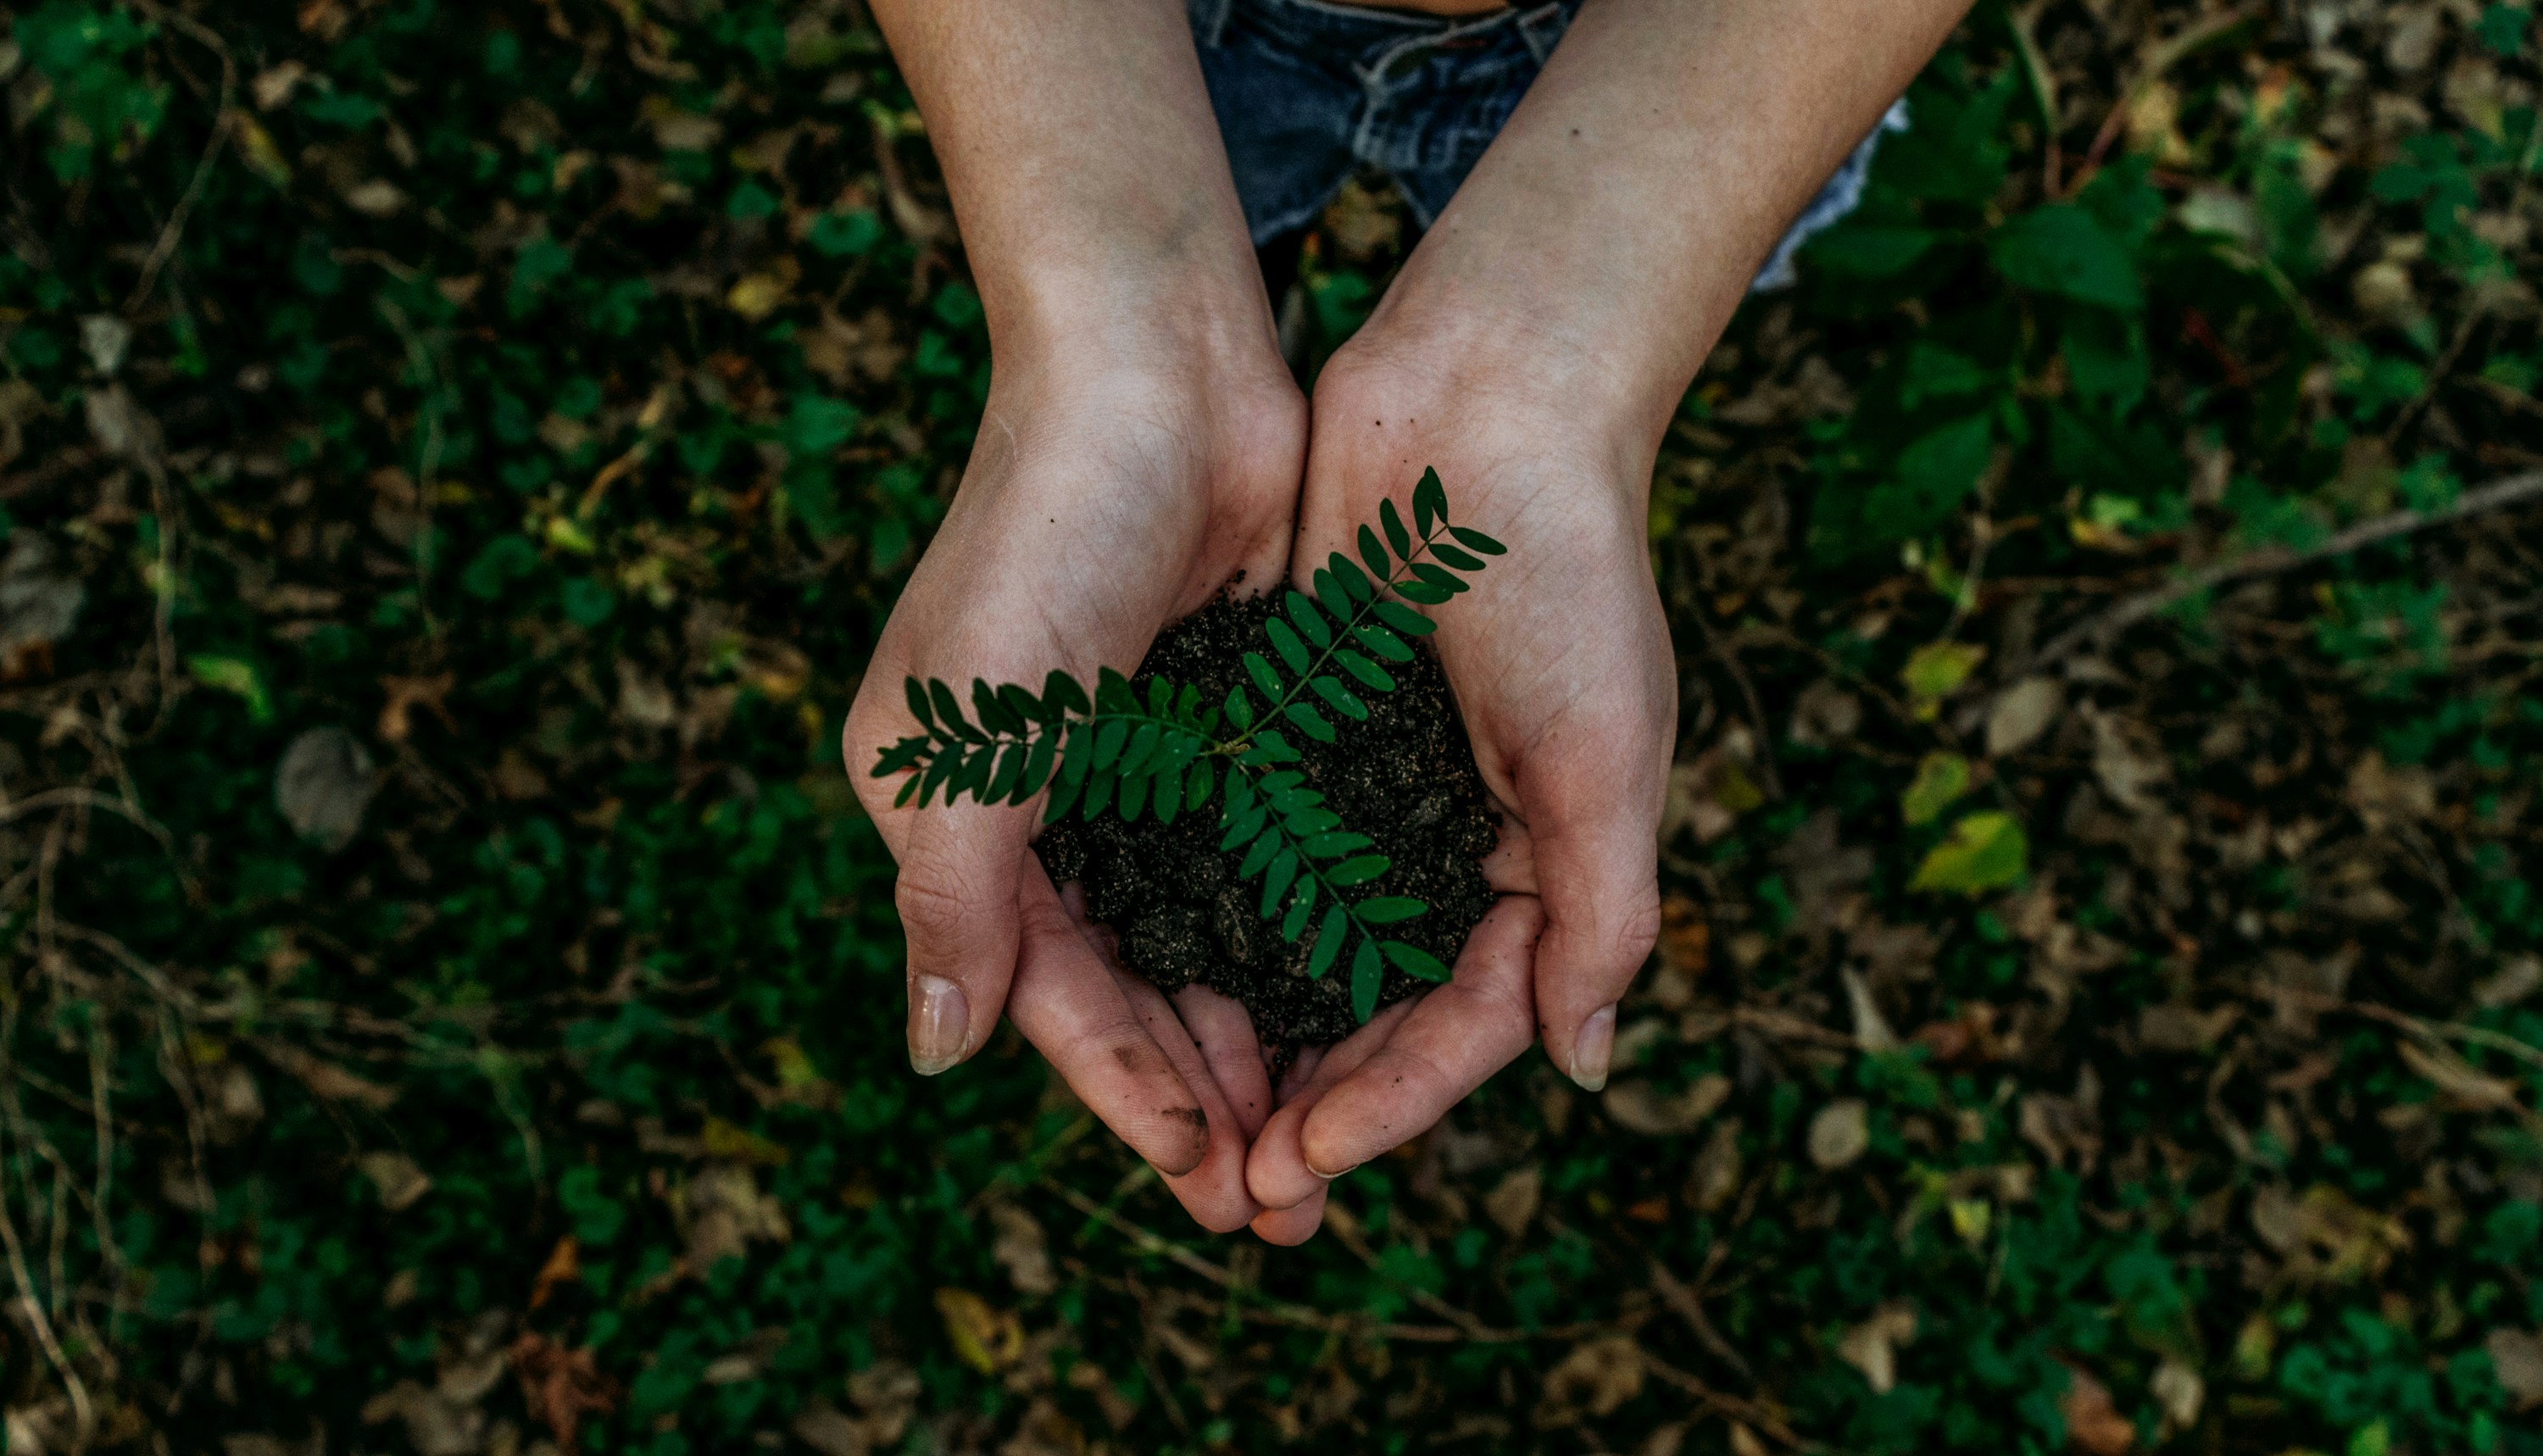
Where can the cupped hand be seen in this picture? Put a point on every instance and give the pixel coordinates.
(1115, 487)
(1559, 659)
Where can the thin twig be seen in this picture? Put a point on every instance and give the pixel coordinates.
(2161, 58)
(1748, 1413)
(1689, 1305)
(2497, 495)
(1263, 1309)
(223, 120)
(1757, 720)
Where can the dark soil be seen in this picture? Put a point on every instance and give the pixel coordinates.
(1405, 778)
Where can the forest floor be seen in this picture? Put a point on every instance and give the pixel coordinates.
(454, 459)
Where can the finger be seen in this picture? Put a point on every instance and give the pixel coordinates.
(1068, 1003)
(961, 867)
(1510, 867)
(1599, 880)
(1220, 1028)
(1301, 1074)
(1288, 1227)
(1212, 1191)
(1276, 1171)
(1452, 1043)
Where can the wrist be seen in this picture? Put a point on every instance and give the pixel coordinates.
(1538, 350)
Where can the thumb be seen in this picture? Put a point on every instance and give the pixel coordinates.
(961, 867)
(1599, 882)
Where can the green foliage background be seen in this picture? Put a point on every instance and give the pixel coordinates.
(2056, 1042)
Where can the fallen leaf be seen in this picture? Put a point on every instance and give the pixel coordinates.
(1940, 778)
(40, 603)
(1842, 1132)
(560, 1387)
(1591, 1381)
(323, 783)
(2516, 1360)
(1637, 1105)
(1987, 851)
(1871, 1348)
(399, 1180)
(563, 1267)
(985, 1337)
(405, 695)
(2021, 714)
(2093, 1424)
(273, 88)
(1935, 672)
(1513, 1200)
(2178, 1391)
(1872, 1031)
(1716, 1176)
(1022, 1250)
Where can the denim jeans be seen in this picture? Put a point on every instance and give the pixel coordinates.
(1308, 93)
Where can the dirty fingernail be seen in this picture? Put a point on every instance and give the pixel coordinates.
(1589, 1053)
(939, 1021)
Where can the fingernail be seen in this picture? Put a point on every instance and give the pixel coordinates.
(1589, 1053)
(1327, 1177)
(940, 1019)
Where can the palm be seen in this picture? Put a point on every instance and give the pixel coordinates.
(1094, 510)
(1561, 664)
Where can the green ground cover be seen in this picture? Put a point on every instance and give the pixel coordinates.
(454, 458)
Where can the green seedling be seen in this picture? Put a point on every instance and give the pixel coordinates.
(1170, 755)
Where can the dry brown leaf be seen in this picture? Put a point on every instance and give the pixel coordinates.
(1840, 1133)
(1591, 1381)
(2517, 1359)
(1513, 1200)
(2021, 714)
(1022, 1250)
(2093, 1425)
(399, 1180)
(1637, 1105)
(1871, 1348)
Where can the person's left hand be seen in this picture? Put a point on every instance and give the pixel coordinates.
(1559, 659)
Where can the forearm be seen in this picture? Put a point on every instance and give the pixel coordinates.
(1612, 228)
(1084, 163)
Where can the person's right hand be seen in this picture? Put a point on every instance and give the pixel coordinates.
(1117, 482)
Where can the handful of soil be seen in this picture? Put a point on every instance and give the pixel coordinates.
(1405, 778)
